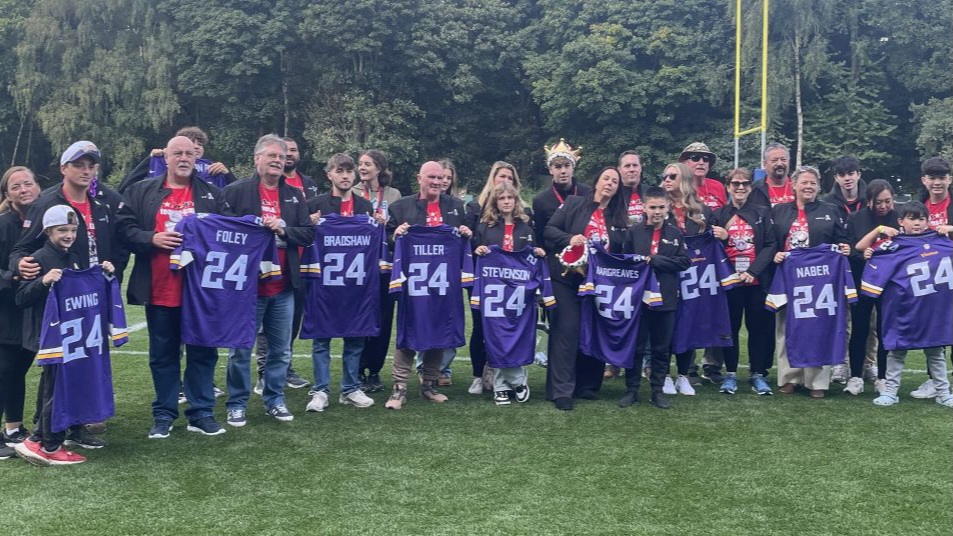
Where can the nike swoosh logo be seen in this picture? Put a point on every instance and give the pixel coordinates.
(54, 324)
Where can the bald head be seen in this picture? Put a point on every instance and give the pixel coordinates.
(430, 179)
(180, 158)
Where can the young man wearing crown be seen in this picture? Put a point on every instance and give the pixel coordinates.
(561, 160)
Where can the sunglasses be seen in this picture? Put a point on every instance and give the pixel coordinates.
(670, 177)
(699, 157)
(740, 184)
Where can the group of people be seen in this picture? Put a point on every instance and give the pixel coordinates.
(337, 264)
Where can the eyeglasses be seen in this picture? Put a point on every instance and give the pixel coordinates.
(670, 177)
(702, 157)
(740, 184)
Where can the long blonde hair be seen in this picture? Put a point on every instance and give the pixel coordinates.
(494, 169)
(491, 213)
(694, 209)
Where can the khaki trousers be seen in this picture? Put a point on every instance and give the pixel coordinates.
(813, 378)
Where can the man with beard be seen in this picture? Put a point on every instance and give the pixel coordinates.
(292, 176)
(776, 187)
(700, 160)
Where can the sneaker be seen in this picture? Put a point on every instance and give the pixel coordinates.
(11, 438)
(870, 373)
(217, 392)
(206, 426)
(294, 381)
(541, 359)
(630, 398)
(646, 372)
(96, 428)
(444, 380)
(82, 438)
(886, 399)
(522, 393)
(694, 379)
(40, 456)
(945, 400)
(855, 386)
(926, 390)
(362, 379)
(659, 400)
(7, 452)
(374, 384)
(840, 374)
(669, 386)
(501, 398)
(610, 372)
(236, 417)
(729, 385)
(32, 452)
(182, 399)
(760, 385)
(319, 401)
(563, 403)
(880, 386)
(398, 398)
(476, 388)
(429, 392)
(488, 373)
(160, 430)
(259, 387)
(281, 413)
(357, 399)
(714, 376)
(684, 386)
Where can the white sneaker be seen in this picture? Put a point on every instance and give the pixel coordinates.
(926, 390)
(355, 398)
(319, 401)
(945, 400)
(476, 388)
(668, 387)
(880, 386)
(870, 373)
(840, 374)
(855, 386)
(683, 386)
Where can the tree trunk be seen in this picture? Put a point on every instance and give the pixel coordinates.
(797, 100)
(16, 146)
(284, 92)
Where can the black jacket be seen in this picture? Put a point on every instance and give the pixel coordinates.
(136, 223)
(243, 199)
(31, 295)
(545, 204)
(759, 193)
(836, 198)
(11, 316)
(571, 219)
(330, 204)
(859, 225)
(691, 227)
(825, 223)
(492, 235)
(107, 241)
(672, 258)
(475, 214)
(412, 209)
(765, 242)
(310, 187)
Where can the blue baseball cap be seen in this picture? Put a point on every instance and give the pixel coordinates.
(79, 150)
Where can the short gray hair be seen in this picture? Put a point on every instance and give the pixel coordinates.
(269, 139)
(771, 147)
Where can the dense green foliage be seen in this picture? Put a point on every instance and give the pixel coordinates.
(475, 81)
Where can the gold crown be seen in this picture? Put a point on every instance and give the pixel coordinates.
(562, 149)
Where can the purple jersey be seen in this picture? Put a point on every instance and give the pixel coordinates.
(613, 293)
(83, 314)
(702, 319)
(223, 258)
(504, 291)
(157, 167)
(816, 285)
(431, 267)
(342, 274)
(913, 275)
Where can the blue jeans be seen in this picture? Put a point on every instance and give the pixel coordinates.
(448, 355)
(321, 360)
(275, 313)
(165, 342)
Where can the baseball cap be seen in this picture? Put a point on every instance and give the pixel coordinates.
(59, 215)
(78, 150)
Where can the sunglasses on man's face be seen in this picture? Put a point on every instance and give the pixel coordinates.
(740, 184)
(702, 157)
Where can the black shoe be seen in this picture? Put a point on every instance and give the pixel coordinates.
(713, 375)
(563, 403)
(160, 430)
(374, 384)
(694, 380)
(82, 438)
(362, 379)
(206, 426)
(294, 381)
(659, 400)
(17, 436)
(630, 398)
(7, 452)
(588, 394)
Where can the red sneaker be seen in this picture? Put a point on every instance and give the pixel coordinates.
(32, 452)
(61, 456)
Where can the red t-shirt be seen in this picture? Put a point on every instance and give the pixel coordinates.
(434, 216)
(740, 248)
(798, 236)
(295, 180)
(713, 194)
(780, 194)
(656, 237)
(166, 283)
(679, 217)
(508, 236)
(636, 208)
(271, 206)
(347, 207)
(938, 213)
(596, 228)
(86, 212)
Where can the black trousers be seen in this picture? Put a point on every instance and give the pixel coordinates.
(15, 362)
(683, 362)
(477, 343)
(44, 409)
(570, 372)
(860, 313)
(747, 301)
(657, 328)
(375, 348)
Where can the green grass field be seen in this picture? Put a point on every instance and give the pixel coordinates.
(714, 464)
